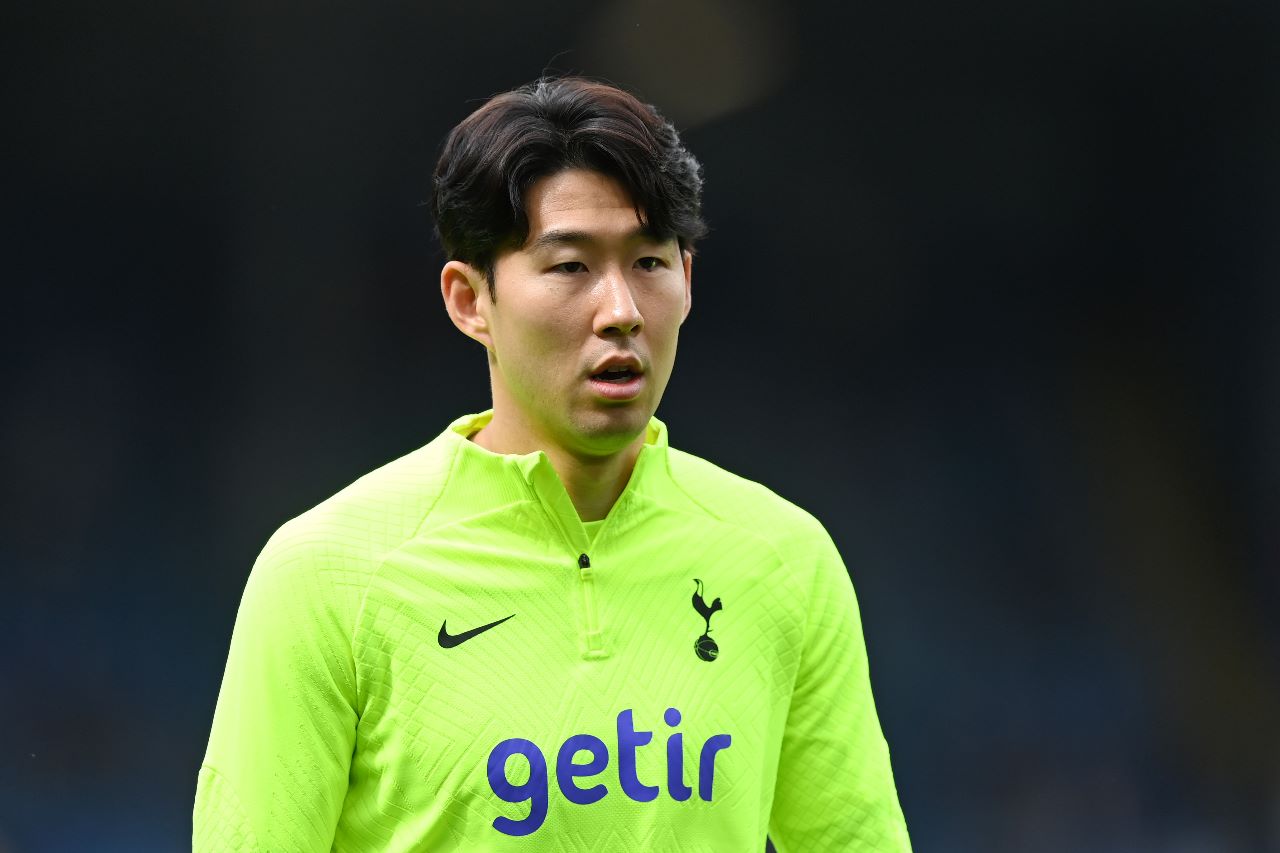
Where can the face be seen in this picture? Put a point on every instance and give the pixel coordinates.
(588, 285)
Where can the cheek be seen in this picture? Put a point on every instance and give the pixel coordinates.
(551, 337)
(663, 322)
(538, 338)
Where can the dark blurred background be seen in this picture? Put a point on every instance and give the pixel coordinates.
(991, 289)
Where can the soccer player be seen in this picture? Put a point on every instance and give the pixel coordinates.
(548, 629)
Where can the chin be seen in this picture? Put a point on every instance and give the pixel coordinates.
(617, 425)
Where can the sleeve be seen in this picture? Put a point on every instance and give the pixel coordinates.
(835, 789)
(274, 775)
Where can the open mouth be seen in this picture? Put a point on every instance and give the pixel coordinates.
(618, 375)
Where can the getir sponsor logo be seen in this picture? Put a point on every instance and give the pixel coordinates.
(568, 772)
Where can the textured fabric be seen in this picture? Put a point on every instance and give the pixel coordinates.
(362, 709)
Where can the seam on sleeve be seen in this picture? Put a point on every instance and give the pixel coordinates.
(814, 572)
(220, 822)
(754, 534)
(381, 561)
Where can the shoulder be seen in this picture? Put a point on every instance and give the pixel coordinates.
(738, 501)
(351, 531)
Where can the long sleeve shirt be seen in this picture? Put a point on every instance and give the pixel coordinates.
(442, 656)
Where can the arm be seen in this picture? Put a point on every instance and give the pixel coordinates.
(835, 788)
(275, 773)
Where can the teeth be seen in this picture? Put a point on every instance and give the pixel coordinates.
(614, 374)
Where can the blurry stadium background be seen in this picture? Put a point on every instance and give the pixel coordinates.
(991, 289)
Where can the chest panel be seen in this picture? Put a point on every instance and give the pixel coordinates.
(675, 725)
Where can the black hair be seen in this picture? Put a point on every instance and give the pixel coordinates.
(493, 156)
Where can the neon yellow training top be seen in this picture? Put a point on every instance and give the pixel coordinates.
(440, 657)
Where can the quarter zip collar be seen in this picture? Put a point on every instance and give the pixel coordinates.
(493, 479)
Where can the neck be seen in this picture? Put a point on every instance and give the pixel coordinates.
(592, 482)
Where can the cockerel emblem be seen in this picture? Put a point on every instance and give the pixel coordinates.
(705, 647)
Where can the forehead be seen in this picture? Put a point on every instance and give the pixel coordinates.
(579, 200)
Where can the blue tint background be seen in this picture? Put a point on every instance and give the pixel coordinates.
(991, 290)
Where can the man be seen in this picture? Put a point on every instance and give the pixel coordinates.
(548, 629)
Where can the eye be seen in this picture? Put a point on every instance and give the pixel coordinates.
(651, 264)
(570, 267)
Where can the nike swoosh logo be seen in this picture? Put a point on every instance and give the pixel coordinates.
(448, 641)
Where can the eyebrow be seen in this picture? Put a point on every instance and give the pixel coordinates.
(550, 239)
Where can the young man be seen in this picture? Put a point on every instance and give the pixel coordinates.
(548, 629)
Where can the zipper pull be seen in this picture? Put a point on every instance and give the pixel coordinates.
(584, 562)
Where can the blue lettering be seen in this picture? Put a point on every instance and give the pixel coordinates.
(628, 740)
(534, 790)
(566, 770)
(676, 787)
(707, 763)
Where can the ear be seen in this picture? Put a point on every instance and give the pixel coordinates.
(466, 298)
(687, 257)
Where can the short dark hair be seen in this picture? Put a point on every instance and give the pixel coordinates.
(540, 129)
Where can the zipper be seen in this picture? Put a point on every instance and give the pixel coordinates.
(594, 639)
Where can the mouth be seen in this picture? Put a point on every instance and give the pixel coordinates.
(616, 375)
(619, 383)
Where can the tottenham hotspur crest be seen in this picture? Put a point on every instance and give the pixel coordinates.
(705, 647)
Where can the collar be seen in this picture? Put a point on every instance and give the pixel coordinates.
(494, 479)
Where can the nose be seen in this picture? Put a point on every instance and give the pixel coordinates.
(618, 313)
